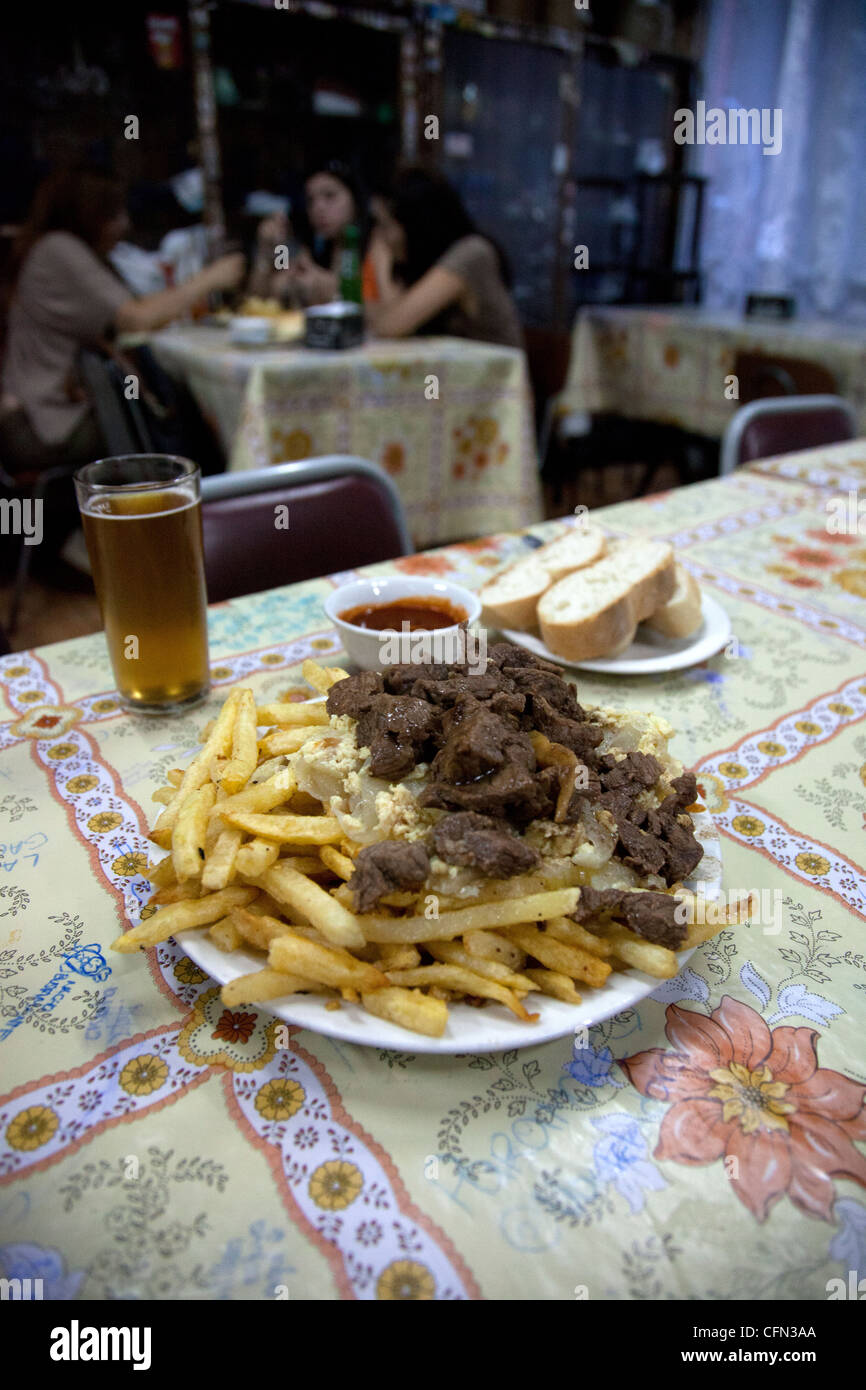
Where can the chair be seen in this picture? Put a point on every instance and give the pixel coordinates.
(342, 512)
(782, 425)
(760, 375)
(120, 420)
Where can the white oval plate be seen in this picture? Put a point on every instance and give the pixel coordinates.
(650, 651)
(471, 1030)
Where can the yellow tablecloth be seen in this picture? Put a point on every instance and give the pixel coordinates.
(449, 420)
(669, 365)
(703, 1145)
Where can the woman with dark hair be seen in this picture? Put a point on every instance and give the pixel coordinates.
(65, 297)
(333, 201)
(435, 273)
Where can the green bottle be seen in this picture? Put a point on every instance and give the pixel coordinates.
(350, 266)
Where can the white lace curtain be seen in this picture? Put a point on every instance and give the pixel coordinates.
(795, 222)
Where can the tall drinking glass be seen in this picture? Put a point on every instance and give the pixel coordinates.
(141, 515)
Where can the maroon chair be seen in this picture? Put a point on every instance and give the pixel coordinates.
(341, 511)
(784, 424)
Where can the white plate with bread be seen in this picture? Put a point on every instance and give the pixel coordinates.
(622, 605)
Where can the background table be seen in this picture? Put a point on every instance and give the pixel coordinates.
(155, 1144)
(669, 365)
(464, 463)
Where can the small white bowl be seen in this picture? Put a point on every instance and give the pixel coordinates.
(363, 644)
(249, 330)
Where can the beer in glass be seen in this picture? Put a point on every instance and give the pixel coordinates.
(141, 515)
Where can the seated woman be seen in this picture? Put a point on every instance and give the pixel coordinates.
(333, 202)
(434, 272)
(66, 297)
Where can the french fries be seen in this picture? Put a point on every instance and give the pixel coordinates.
(181, 916)
(263, 866)
(297, 830)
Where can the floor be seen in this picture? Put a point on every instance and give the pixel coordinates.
(59, 606)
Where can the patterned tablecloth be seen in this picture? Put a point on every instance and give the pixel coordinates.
(703, 1145)
(449, 420)
(669, 365)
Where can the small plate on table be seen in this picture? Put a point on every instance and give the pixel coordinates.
(469, 1030)
(650, 652)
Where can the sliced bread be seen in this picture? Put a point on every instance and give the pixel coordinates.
(681, 615)
(510, 598)
(592, 612)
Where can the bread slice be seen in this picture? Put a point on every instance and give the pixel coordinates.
(510, 598)
(580, 546)
(591, 613)
(681, 615)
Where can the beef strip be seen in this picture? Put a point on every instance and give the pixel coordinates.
(635, 770)
(398, 680)
(480, 842)
(353, 695)
(640, 851)
(385, 868)
(650, 915)
(396, 729)
(577, 734)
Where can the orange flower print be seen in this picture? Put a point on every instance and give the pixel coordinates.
(802, 555)
(459, 470)
(828, 538)
(481, 459)
(672, 355)
(853, 581)
(741, 1090)
(234, 1027)
(424, 564)
(791, 576)
(393, 458)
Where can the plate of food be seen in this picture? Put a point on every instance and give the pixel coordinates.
(265, 322)
(434, 859)
(625, 606)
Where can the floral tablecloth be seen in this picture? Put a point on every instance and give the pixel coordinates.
(670, 365)
(449, 420)
(703, 1145)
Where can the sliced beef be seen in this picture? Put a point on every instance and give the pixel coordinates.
(480, 842)
(683, 852)
(449, 690)
(638, 770)
(399, 680)
(650, 915)
(581, 736)
(397, 730)
(641, 851)
(479, 743)
(386, 868)
(685, 790)
(353, 695)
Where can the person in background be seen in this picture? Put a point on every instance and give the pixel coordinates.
(66, 297)
(333, 202)
(434, 272)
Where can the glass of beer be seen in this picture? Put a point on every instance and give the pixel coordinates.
(141, 515)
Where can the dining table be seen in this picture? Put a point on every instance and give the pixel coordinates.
(706, 1144)
(676, 364)
(449, 420)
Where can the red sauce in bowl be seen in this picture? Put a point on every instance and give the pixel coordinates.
(422, 614)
